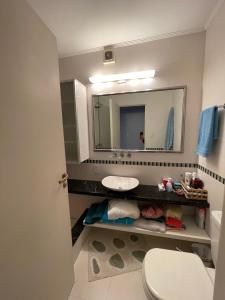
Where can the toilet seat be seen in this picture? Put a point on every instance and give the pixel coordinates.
(174, 275)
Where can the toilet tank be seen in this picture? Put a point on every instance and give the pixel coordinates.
(216, 216)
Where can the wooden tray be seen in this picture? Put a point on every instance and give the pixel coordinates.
(190, 193)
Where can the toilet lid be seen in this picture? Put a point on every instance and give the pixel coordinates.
(174, 275)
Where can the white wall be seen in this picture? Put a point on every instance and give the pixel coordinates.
(214, 94)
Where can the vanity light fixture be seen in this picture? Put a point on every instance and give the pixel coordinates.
(103, 85)
(122, 77)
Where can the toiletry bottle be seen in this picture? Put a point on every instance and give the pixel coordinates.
(194, 175)
(169, 186)
(188, 177)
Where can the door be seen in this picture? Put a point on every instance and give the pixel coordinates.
(132, 120)
(36, 251)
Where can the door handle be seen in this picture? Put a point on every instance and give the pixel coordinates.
(63, 181)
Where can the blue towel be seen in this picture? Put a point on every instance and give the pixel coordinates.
(208, 130)
(95, 212)
(120, 221)
(170, 130)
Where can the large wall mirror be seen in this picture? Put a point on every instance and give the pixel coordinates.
(140, 121)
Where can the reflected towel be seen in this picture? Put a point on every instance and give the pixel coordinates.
(208, 130)
(170, 130)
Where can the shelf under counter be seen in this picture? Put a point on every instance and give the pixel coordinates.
(192, 233)
(148, 193)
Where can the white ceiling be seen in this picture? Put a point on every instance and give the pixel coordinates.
(85, 25)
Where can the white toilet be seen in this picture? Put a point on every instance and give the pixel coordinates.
(174, 275)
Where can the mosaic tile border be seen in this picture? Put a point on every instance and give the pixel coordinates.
(158, 164)
(212, 174)
(142, 163)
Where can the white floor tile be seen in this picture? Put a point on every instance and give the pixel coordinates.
(127, 286)
(95, 290)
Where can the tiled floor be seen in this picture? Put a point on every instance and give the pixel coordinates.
(127, 286)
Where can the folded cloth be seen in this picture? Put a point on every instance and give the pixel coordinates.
(150, 225)
(208, 130)
(174, 223)
(95, 212)
(118, 209)
(174, 211)
(120, 221)
(148, 212)
(152, 213)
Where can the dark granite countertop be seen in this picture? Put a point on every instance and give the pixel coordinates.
(147, 193)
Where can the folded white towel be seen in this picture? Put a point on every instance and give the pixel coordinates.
(123, 209)
(150, 225)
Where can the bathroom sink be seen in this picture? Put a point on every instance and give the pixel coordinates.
(120, 184)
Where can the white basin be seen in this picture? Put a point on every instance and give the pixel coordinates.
(120, 184)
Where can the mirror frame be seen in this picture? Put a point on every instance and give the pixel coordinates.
(184, 87)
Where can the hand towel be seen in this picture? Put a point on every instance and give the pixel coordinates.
(208, 131)
(174, 211)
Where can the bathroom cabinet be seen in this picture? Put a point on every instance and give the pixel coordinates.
(75, 121)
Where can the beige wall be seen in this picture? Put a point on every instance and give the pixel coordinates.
(214, 94)
(178, 61)
(213, 87)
